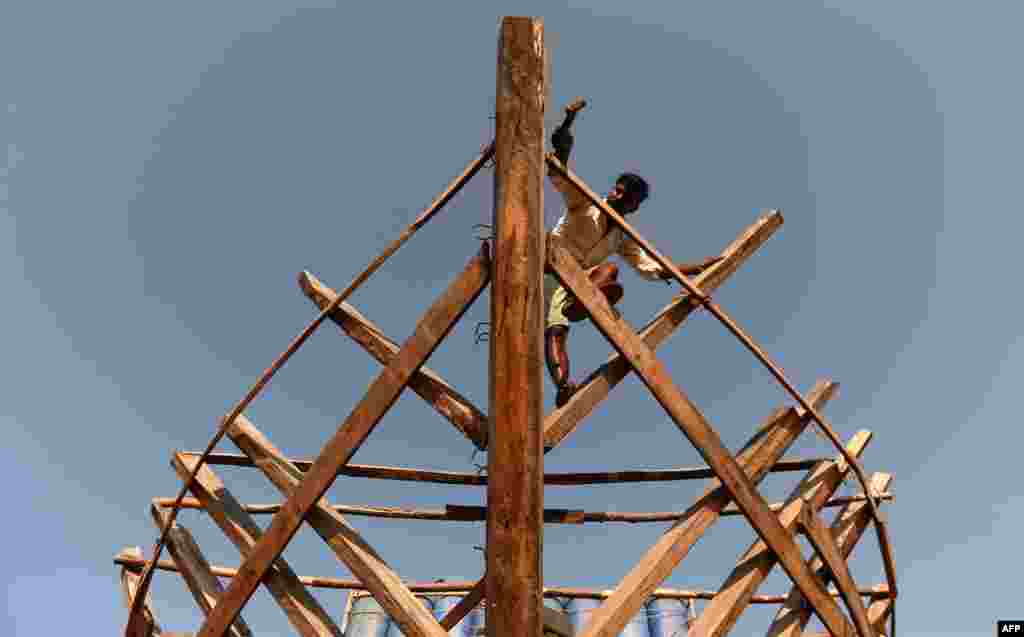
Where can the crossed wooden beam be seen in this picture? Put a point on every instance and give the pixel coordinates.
(735, 477)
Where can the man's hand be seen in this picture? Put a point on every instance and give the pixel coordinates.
(562, 138)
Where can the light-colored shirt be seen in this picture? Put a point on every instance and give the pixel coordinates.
(582, 230)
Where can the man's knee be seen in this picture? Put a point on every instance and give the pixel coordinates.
(606, 272)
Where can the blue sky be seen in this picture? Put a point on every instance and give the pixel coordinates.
(170, 168)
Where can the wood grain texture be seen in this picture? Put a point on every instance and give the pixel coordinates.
(563, 420)
(720, 615)
(304, 613)
(848, 528)
(383, 392)
(426, 383)
(345, 541)
(145, 624)
(700, 433)
(206, 589)
(515, 487)
(824, 545)
(767, 445)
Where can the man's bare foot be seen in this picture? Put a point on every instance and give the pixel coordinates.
(565, 392)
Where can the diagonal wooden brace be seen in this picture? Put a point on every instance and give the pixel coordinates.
(145, 623)
(734, 595)
(821, 539)
(345, 541)
(427, 384)
(206, 589)
(848, 528)
(563, 421)
(700, 433)
(384, 391)
(466, 605)
(878, 614)
(302, 609)
(756, 457)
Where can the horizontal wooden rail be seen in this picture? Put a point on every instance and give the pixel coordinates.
(472, 479)
(457, 587)
(463, 513)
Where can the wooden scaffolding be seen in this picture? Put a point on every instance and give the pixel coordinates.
(516, 434)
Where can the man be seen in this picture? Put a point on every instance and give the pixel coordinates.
(591, 238)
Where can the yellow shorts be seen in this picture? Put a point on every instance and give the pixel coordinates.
(555, 299)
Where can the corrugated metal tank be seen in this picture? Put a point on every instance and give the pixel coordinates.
(366, 618)
(658, 617)
(668, 617)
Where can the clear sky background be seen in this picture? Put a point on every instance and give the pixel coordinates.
(171, 167)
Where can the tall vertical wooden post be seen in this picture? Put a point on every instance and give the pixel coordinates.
(515, 491)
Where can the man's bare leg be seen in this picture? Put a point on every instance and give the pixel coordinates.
(556, 355)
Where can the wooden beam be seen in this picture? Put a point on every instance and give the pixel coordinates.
(467, 587)
(466, 605)
(427, 384)
(145, 625)
(768, 444)
(820, 538)
(878, 613)
(475, 479)
(346, 542)
(562, 421)
(515, 457)
(848, 528)
(721, 613)
(302, 609)
(700, 433)
(384, 391)
(206, 589)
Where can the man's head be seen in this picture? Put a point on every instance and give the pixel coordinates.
(629, 192)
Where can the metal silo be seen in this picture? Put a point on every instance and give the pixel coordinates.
(366, 618)
(668, 617)
(580, 611)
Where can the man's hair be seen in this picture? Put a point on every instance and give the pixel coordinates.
(634, 184)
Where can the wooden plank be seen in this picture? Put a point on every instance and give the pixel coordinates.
(768, 444)
(427, 384)
(692, 423)
(821, 539)
(414, 619)
(466, 605)
(302, 610)
(515, 488)
(206, 589)
(562, 421)
(848, 528)
(145, 624)
(721, 613)
(384, 391)
(473, 479)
